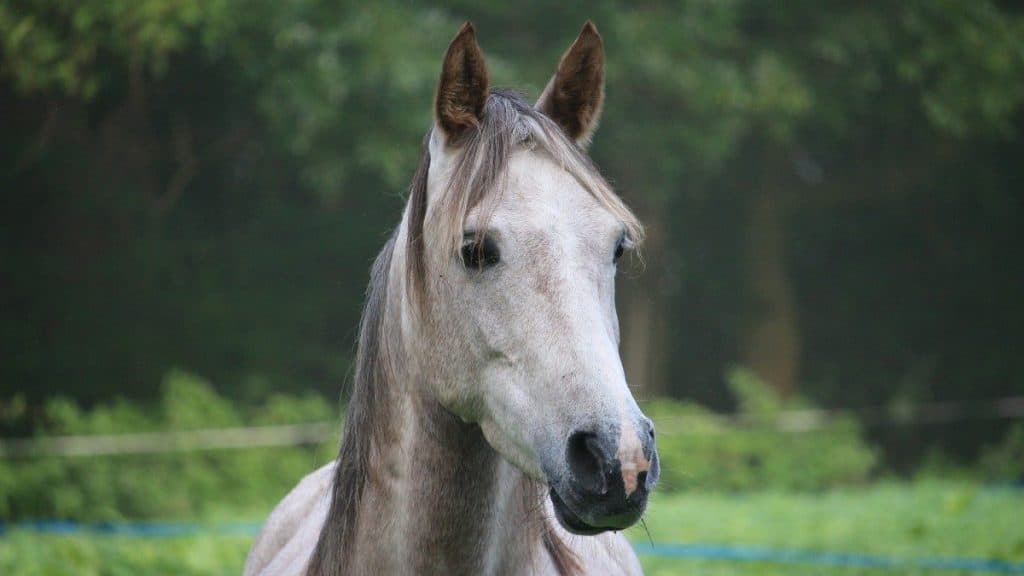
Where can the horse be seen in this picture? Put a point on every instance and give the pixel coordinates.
(490, 428)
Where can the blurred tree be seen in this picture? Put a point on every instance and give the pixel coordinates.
(948, 71)
(717, 89)
(203, 184)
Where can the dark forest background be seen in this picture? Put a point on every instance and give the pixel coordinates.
(833, 191)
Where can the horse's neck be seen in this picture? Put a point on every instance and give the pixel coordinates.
(438, 498)
(444, 500)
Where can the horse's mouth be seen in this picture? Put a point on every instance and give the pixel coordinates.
(570, 520)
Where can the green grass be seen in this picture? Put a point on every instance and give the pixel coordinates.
(892, 520)
(25, 554)
(925, 520)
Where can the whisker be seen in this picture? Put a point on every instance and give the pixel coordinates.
(643, 522)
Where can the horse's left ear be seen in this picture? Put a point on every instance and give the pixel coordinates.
(574, 96)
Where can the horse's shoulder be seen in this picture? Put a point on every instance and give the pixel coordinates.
(290, 532)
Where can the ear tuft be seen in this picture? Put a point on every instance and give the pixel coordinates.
(463, 88)
(575, 94)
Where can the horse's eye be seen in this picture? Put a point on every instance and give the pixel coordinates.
(620, 247)
(480, 253)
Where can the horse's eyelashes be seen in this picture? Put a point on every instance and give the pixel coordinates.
(480, 253)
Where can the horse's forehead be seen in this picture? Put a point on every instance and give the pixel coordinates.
(539, 192)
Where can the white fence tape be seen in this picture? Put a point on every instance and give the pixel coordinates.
(790, 421)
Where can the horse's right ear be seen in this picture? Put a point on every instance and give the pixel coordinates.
(462, 90)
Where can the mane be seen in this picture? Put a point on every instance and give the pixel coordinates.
(508, 124)
(367, 411)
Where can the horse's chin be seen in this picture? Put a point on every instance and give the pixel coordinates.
(570, 520)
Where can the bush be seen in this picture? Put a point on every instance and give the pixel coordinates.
(166, 485)
(698, 449)
(1004, 462)
(702, 450)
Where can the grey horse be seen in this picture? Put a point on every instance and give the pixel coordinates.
(490, 429)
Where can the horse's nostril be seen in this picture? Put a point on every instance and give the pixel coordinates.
(642, 480)
(586, 462)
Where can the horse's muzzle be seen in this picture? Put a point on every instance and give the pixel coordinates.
(608, 479)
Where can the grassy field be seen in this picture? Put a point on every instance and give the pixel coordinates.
(900, 521)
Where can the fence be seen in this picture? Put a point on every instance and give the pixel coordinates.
(791, 421)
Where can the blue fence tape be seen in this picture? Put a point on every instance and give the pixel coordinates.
(139, 529)
(832, 559)
(663, 550)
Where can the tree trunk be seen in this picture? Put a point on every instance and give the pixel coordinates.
(636, 342)
(643, 322)
(770, 345)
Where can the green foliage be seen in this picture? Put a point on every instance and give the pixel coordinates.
(188, 402)
(938, 464)
(698, 450)
(959, 98)
(1000, 463)
(63, 46)
(1005, 461)
(321, 70)
(756, 401)
(213, 178)
(168, 485)
(701, 450)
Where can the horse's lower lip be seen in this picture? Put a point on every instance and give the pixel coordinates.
(569, 520)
